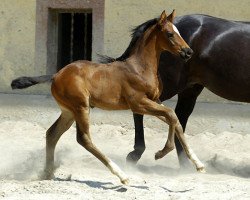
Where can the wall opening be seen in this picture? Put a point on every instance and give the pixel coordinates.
(74, 37)
(67, 30)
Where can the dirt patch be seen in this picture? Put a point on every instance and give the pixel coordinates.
(218, 133)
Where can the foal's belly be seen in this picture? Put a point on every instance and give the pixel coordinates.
(109, 104)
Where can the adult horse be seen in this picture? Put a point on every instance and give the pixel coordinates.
(221, 63)
(130, 84)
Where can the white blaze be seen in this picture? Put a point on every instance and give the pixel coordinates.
(176, 30)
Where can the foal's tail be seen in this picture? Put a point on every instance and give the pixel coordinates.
(24, 82)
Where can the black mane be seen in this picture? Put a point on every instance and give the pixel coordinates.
(137, 32)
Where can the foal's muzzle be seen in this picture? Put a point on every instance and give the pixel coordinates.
(186, 53)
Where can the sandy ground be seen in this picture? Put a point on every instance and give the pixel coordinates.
(218, 133)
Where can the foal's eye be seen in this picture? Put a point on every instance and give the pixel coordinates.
(170, 35)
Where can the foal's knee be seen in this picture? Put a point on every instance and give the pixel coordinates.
(178, 127)
(173, 119)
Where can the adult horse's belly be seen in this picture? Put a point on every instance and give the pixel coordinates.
(233, 91)
(229, 81)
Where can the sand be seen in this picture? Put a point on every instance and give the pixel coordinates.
(218, 133)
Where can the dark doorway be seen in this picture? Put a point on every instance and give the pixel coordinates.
(74, 37)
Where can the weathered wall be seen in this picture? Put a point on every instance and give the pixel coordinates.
(17, 40)
(122, 15)
(18, 24)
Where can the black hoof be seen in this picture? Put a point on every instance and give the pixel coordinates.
(133, 157)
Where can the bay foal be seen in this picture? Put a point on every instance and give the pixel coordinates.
(130, 84)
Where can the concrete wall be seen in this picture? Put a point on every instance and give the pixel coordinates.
(18, 24)
(17, 40)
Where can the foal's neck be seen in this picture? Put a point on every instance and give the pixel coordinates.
(148, 52)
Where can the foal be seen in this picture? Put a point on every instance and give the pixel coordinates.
(131, 84)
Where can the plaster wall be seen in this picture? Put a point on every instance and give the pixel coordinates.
(18, 32)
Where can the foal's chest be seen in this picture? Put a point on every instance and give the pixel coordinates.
(153, 89)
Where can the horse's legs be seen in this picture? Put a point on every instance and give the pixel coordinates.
(184, 108)
(139, 146)
(146, 106)
(84, 139)
(53, 134)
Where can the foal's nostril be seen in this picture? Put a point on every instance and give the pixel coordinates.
(186, 53)
(189, 52)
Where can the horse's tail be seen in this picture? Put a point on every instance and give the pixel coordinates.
(24, 82)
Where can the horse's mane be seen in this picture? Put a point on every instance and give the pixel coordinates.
(136, 34)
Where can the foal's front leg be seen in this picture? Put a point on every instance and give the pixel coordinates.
(169, 146)
(147, 106)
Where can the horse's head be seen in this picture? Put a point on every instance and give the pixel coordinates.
(171, 39)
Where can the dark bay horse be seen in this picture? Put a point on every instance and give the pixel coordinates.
(129, 84)
(221, 63)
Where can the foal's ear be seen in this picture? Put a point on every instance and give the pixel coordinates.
(171, 16)
(162, 19)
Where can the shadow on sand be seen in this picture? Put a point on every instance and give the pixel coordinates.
(104, 185)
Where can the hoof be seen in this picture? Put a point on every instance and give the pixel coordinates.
(159, 155)
(163, 152)
(133, 157)
(201, 170)
(125, 181)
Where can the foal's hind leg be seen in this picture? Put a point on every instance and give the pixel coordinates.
(53, 134)
(83, 138)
